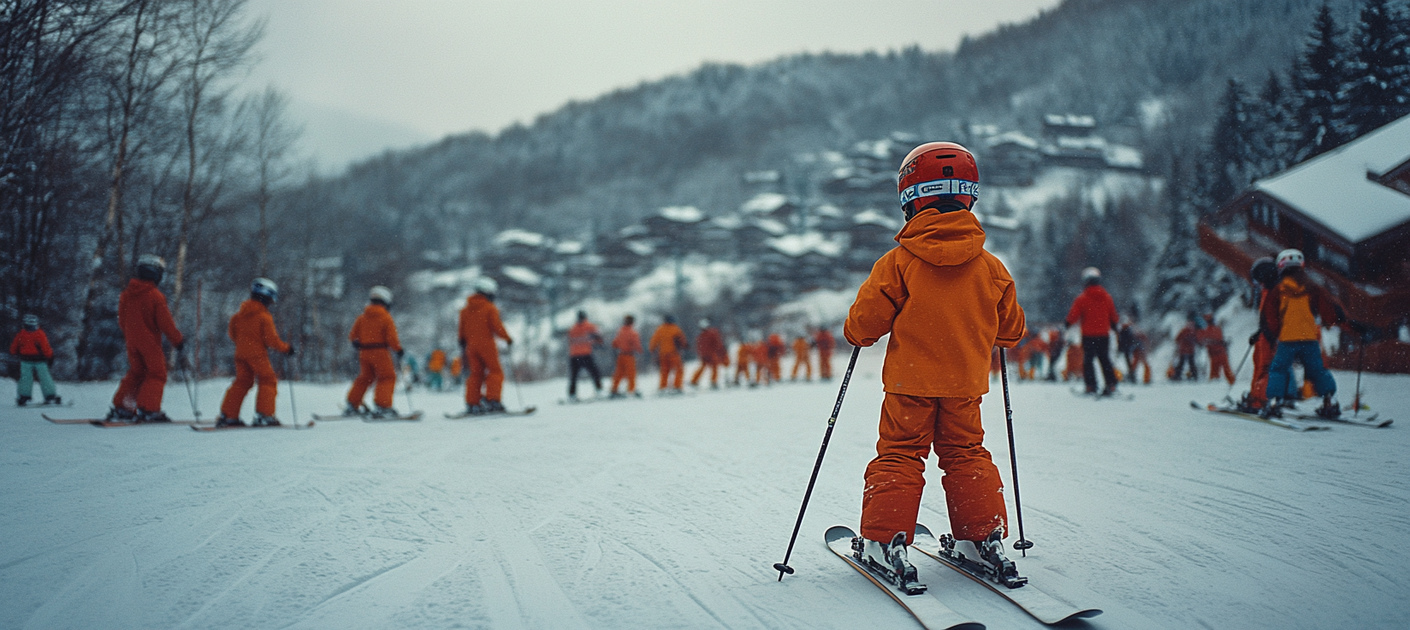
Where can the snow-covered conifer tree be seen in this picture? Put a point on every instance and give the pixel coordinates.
(1318, 80)
(1378, 71)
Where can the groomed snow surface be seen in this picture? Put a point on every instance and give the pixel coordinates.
(668, 512)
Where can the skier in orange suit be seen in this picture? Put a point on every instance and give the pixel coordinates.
(374, 334)
(480, 325)
(144, 318)
(668, 342)
(252, 330)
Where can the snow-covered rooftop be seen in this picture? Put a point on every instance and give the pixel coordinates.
(522, 275)
(682, 214)
(764, 203)
(1334, 188)
(1012, 137)
(795, 245)
(771, 226)
(728, 222)
(1070, 120)
(515, 236)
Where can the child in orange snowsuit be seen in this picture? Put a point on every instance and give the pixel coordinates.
(1185, 342)
(627, 344)
(1073, 367)
(710, 345)
(667, 342)
(144, 318)
(1212, 338)
(435, 366)
(480, 325)
(762, 374)
(742, 356)
(252, 330)
(776, 350)
(374, 334)
(946, 302)
(801, 349)
(825, 343)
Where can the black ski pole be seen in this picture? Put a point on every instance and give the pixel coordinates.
(182, 361)
(1360, 362)
(1242, 361)
(1022, 544)
(514, 375)
(836, 409)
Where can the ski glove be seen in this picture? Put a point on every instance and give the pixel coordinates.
(291, 350)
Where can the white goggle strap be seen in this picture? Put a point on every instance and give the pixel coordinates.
(940, 187)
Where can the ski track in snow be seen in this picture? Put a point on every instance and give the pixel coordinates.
(669, 512)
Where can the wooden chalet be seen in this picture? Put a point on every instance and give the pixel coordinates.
(1348, 210)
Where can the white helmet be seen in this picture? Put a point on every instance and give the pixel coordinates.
(1091, 274)
(382, 294)
(151, 267)
(264, 287)
(486, 285)
(1290, 258)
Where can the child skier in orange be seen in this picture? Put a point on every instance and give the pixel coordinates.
(762, 374)
(252, 330)
(374, 334)
(801, 350)
(1212, 338)
(627, 344)
(825, 342)
(742, 357)
(144, 318)
(710, 345)
(480, 325)
(667, 342)
(776, 350)
(946, 302)
(435, 366)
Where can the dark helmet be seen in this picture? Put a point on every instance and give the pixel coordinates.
(151, 267)
(1264, 271)
(264, 290)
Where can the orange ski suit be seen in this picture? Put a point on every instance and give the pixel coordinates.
(374, 334)
(801, 350)
(825, 343)
(946, 303)
(1212, 338)
(252, 330)
(437, 361)
(762, 374)
(144, 317)
(776, 349)
(742, 355)
(710, 345)
(627, 343)
(480, 325)
(667, 342)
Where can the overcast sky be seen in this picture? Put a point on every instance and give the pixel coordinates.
(365, 75)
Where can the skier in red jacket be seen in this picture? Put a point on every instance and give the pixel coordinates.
(1097, 312)
(31, 345)
(144, 318)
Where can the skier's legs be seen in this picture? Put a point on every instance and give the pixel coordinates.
(386, 374)
(46, 382)
(126, 395)
(574, 364)
(895, 478)
(1089, 355)
(973, 489)
(824, 365)
(1322, 381)
(591, 366)
(494, 374)
(365, 377)
(235, 394)
(628, 363)
(149, 392)
(1280, 370)
(1102, 346)
(268, 386)
(474, 378)
(699, 372)
(679, 368)
(25, 386)
(1262, 357)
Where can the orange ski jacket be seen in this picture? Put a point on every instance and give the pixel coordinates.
(668, 339)
(825, 341)
(375, 330)
(437, 361)
(1299, 306)
(480, 324)
(1097, 311)
(710, 345)
(581, 339)
(627, 341)
(31, 345)
(144, 317)
(252, 330)
(946, 303)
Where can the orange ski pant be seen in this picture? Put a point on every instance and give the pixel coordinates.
(1219, 362)
(374, 366)
(741, 370)
(700, 371)
(775, 369)
(824, 365)
(247, 373)
(483, 371)
(910, 427)
(142, 386)
(802, 362)
(671, 363)
(1262, 358)
(625, 370)
(1138, 361)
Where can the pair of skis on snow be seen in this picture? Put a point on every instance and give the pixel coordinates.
(931, 612)
(1295, 421)
(194, 424)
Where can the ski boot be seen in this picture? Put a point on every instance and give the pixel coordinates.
(1330, 409)
(984, 558)
(1246, 404)
(119, 414)
(226, 421)
(21, 401)
(355, 410)
(491, 406)
(144, 417)
(383, 412)
(262, 420)
(1272, 409)
(53, 400)
(889, 561)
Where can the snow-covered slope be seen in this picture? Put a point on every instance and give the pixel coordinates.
(667, 513)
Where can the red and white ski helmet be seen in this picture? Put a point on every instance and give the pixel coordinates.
(1290, 258)
(1091, 274)
(937, 171)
